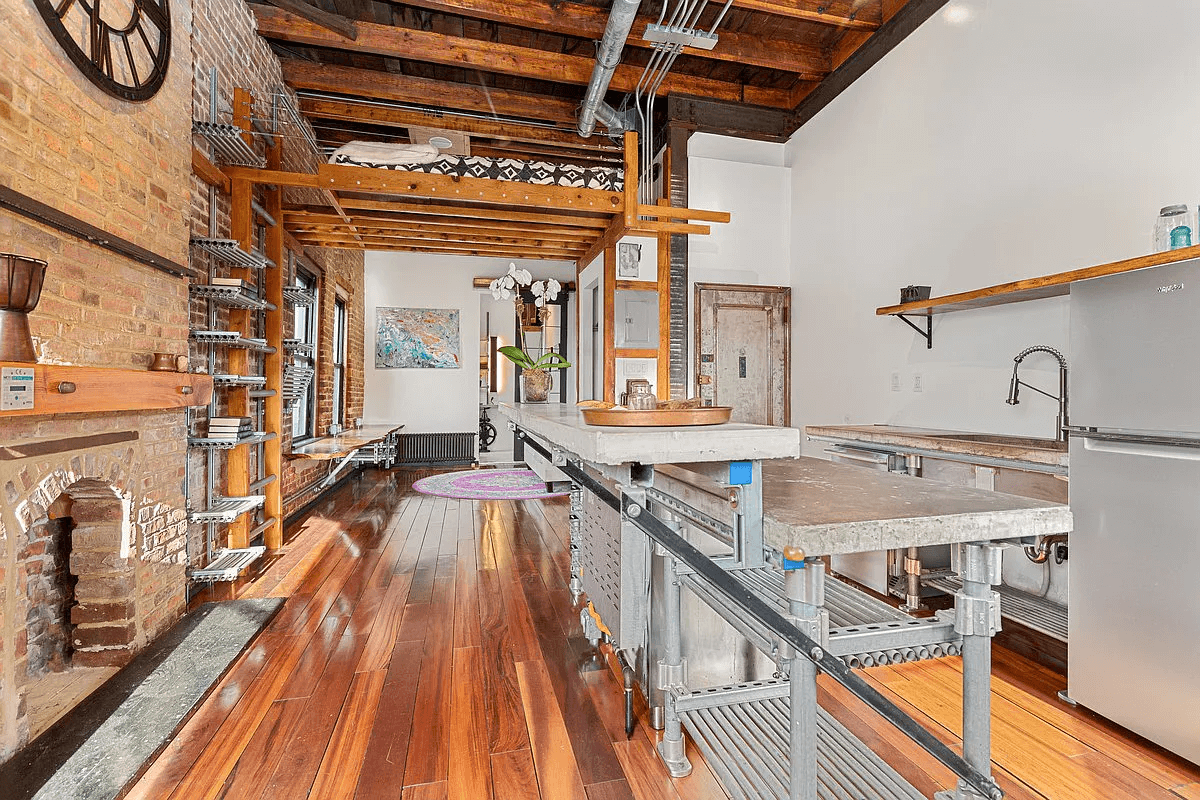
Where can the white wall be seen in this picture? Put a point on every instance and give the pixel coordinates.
(750, 181)
(433, 400)
(1002, 140)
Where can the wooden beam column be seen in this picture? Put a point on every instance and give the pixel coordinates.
(273, 362)
(631, 179)
(241, 224)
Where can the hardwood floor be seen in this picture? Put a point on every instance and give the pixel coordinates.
(428, 649)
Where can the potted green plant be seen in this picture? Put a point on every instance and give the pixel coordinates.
(535, 373)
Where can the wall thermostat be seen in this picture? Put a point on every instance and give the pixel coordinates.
(16, 388)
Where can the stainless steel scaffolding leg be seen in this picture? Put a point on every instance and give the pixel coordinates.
(670, 675)
(977, 618)
(804, 585)
(576, 585)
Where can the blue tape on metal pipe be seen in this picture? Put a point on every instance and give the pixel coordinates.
(741, 473)
(789, 564)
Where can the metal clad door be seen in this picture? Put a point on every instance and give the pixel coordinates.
(1135, 350)
(743, 350)
(1135, 588)
(743, 362)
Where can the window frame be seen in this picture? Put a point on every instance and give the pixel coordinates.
(338, 360)
(310, 282)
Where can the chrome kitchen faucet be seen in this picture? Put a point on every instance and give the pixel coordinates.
(1014, 386)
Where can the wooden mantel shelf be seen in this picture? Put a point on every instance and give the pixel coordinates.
(104, 389)
(1035, 288)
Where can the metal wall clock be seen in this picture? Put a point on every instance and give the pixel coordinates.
(122, 46)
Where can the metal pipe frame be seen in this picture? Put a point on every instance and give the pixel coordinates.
(980, 563)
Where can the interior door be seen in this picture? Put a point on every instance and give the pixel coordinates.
(743, 355)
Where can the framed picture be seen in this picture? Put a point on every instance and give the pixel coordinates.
(629, 260)
(420, 338)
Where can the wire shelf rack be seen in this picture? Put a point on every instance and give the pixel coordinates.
(229, 296)
(295, 347)
(232, 339)
(226, 509)
(228, 144)
(229, 251)
(297, 296)
(228, 564)
(257, 437)
(254, 381)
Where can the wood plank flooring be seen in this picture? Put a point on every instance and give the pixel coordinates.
(429, 650)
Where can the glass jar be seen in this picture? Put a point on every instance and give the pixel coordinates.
(1173, 229)
(641, 398)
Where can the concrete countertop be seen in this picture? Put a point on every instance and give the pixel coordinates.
(829, 509)
(1022, 449)
(563, 426)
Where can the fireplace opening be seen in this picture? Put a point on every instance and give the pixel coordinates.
(49, 592)
(77, 591)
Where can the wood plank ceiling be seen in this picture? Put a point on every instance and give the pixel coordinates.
(507, 76)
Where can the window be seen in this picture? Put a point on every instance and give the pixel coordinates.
(304, 329)
(339, 361)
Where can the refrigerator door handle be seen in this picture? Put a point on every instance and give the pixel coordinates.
(1146, 449)
(1094, 435)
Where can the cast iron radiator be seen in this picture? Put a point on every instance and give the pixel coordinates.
(424, 449)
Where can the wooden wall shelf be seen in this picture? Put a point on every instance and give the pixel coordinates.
(103, 389)
(1055, 285)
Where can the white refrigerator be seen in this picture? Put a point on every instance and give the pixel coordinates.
(1134, 592)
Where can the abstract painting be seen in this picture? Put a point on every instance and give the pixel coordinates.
(420, 338)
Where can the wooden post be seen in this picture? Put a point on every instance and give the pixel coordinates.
(273, 362)
(241, 223)
(631, 179)
(610, 333)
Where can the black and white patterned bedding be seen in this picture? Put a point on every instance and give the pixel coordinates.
(542, 173)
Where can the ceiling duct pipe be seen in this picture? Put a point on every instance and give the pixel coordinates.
(608, 55)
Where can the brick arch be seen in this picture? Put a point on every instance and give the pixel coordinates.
(51, 482)
(105, 568)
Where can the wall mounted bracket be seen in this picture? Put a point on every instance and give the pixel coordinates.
(927, 333)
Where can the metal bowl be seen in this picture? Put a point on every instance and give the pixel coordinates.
(20, 282)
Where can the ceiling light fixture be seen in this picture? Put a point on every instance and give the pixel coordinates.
(440, 142)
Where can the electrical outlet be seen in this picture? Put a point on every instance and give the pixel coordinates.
(918, 384)
(895, 381)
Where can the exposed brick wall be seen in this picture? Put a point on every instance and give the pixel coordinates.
(125, 168)
(126, 547)
(120, 166)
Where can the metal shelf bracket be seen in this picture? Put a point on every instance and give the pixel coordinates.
(926, 333)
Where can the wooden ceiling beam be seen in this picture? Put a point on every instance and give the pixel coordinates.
(447, 240)
(528, 255)
(306, 75)
(440, 224)
(334, 22)
(474, 213)
(588, 22)
(729, 119)
(810, 11)
(523, 62)
(476, 248)
(388, 116)
(337, 177)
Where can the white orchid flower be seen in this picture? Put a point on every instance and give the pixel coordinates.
(494, 287)
(538, 288)
(523, 276)
(552, 288)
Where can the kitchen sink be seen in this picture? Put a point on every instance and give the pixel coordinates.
(1000, 439)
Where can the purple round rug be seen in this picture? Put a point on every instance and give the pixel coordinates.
(486, 484)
